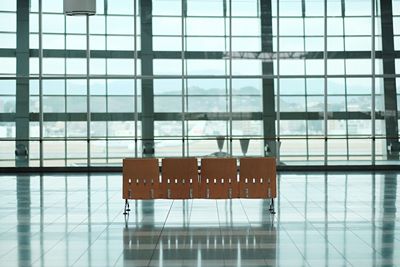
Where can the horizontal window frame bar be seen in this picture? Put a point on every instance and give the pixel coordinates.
(155, 77)
(194, 116)
(225, 55)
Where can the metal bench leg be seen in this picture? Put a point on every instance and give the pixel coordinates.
(126, 208)
(272, 207)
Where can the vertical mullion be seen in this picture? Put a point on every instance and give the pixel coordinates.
(106, 81)
(230, 78)
(183, 14)
(343, 14)
(373, 152)
(135, 75)
(65, 95)
(40, 85)
(325, 83)
(305, 80)
(278, 89)
(88, 91)
(186, 91)
(226, 63)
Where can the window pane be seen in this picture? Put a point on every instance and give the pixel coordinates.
(53, 66)
(167, 66)
(314, 26)
(120, 25)
(7, 104)
(314, 8)
(358, 66)
(291, 44)
(207, 87)
(204, 8)
(120, 66)
(359, 85)
(10, 5)
(8, 65)
(167, 86)
(207, 104)
(167, 128)
(335, 26)
(291, 86)
(167, 26)
(292, 67)
(290, 128)
(7, 87)
(53, 41)
(120, 104)
(8, 22)
(245, 8)
(53, 23)
(290, 8)
(76, 24)
(53, 6)
(76, 87)
(53, 87)
(246, 104)
(76, 129)
(204, 26)
(206, 44)
(167, 43)
(358, 43)
(167, 104)
(121, 7)
(246, 26)
(53, 104)
(76, 42)
(292, 103)
(291, 26)
(76, 66)
(357, 26)
(8, 40)
(246, 67)
(314, 44)
(206, 67)
(246, 44)
(76, 104)
(315, 103)
(167, 7)
(98, 104)
(53, 129)
(121, 87)
(247, 87)
(358, 8)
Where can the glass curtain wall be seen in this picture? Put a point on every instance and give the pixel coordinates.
(114, 90)
(305, 81)
(8, 44)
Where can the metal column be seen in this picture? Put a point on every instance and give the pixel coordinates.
(147, 84)
(388, 57)
(268, 82)
(22, 92)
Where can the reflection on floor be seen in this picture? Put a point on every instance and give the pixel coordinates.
(339, 219)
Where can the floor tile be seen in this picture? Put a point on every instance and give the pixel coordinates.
(334, 219)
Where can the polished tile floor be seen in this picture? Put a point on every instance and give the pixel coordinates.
(339, 219)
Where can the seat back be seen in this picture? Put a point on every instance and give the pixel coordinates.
(141, 179)
(257, 178)
(219, 178)
(180, 178)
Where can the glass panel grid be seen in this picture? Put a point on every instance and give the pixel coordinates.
(195, 78)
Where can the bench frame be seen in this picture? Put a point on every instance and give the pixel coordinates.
(218, 178)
